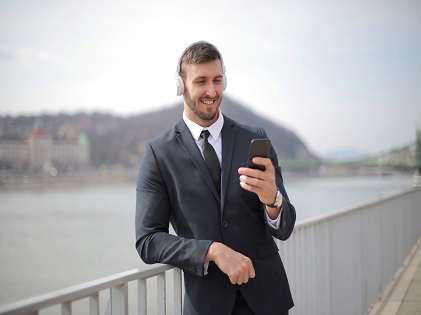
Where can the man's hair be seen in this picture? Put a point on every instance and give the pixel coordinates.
(198, 53)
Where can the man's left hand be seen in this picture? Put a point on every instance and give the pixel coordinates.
(261, 183)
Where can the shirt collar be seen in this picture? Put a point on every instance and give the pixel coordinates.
(214, 129)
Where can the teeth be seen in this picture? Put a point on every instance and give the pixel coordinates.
(207, 102)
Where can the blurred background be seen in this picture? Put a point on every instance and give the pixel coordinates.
(84, 85)
(337, 73)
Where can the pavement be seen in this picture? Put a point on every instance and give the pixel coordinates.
(402, 296)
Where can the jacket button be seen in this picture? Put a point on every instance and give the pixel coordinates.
(225, 223)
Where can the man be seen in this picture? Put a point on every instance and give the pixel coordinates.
(224, 220)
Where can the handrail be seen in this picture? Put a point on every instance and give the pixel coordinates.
(352, 208)
(86, 290)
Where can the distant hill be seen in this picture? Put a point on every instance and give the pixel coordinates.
(116, 140)
(286, 143)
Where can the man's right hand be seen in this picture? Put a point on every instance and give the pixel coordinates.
(236, 266)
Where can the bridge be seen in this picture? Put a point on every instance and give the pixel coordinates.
(338, 263)
(403, 158)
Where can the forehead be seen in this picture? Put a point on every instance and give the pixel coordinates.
(209, 69)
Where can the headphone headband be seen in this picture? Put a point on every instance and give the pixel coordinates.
(179, 81)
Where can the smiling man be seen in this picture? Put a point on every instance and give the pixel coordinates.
(225, 215)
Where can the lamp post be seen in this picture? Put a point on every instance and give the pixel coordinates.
(417, 172)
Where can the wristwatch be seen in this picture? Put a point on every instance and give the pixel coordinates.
(278, 200)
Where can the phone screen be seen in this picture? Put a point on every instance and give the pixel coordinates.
(260, 148)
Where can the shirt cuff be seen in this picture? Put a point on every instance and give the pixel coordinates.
(205, 268)
(274, 223)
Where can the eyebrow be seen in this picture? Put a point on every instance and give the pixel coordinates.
(205, 77)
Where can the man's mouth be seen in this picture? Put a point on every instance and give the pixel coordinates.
(208, 102)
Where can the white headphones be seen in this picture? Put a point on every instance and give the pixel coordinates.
(179, 81)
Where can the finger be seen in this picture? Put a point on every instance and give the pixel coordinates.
(263, 161)
(250, 172)
(252, 181)
(254, 189)
(252, 272)
(248, 187)
(256, 186)
(233, 279)
(245, 278)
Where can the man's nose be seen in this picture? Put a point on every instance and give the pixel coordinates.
(211, 90)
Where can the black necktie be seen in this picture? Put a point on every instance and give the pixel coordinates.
(211, 159)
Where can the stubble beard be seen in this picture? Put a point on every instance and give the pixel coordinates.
(205, 116)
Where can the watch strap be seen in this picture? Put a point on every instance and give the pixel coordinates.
(275, 204)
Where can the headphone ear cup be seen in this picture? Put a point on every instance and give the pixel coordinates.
(180, 85)
(224, 82)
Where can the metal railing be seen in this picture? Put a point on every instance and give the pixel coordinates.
(340, 263)
(118, 294)
(336, 264)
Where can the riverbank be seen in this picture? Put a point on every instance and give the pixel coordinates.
(122, 175)
(102, 176)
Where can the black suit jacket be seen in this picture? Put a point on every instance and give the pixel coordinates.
(174, 186)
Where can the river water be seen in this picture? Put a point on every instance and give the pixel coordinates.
(52, 239)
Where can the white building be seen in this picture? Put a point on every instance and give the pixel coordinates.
(41, 152)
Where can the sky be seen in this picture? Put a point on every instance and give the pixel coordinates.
(339, 74)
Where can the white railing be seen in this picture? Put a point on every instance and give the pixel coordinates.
(336, 264)
(341, 262)
(117, 285)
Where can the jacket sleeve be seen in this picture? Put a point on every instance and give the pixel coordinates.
(154, 243)
(288, 215)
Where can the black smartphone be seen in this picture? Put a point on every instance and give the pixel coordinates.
(260, 148)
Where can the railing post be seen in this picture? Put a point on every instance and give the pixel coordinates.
(161, 295)
(66, 308)
(94, 304)
(178, 305)
(141, 297)
(119, 301)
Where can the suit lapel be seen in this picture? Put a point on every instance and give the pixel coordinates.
(228, 139)
(186, 140)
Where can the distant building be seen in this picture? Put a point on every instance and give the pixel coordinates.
(14, 154)
(41, 152)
